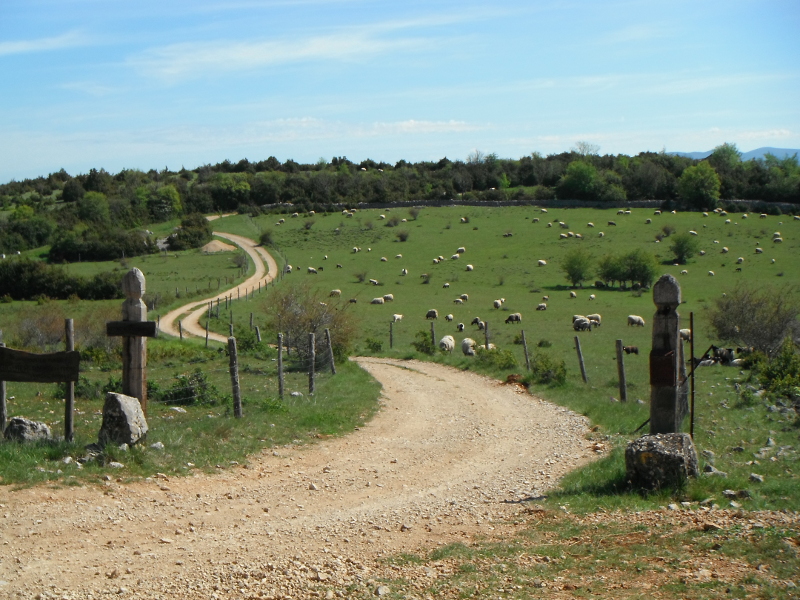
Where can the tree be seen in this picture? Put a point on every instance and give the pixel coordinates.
(698, 186)
(640, 267)
(73, 191)
(586, 148)
(684, 246)
(725, 157)
(756, 316)
(94, 207)
(577, 266)
(580, 181)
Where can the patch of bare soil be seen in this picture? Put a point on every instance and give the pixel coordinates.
(218, 246)
(449, 456)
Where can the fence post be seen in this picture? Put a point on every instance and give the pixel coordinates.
(525, 347)
(330, 350)
(486, 335)
(311, 360)
(251, 321)
(280, 365)
(230, 328)
(3, 408)
(234, 366)
(391, 334)
(623, 382)
(206, 333)
(580, 359)
(217, 308)
(433, 335)
(180, 329)
(258, 334)
(69, 401)
(134, 349)
(691, 351)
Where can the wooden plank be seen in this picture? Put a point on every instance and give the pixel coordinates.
(16, 365)
(132, 328)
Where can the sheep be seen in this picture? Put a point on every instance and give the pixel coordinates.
(398, 256)
(449, 318)
(592, 296)
(325, 257)
(773, 261)
(355, 249)
(335, 293)
(612, 223)
(631, 349)
(447, 343)
(544, 210)
(573, 295)
(744, 216)
(686, 334)
(648, 221)
(396, 318)
(368, 249)
(481, 325)
(508, 234)
(740, 260)
(404, 220)
(463, 219)
(541, 306)
(295, 214)
(384, 259)
(464, 297)
(724, 250)
(381, 216)
(727, 221)
(468, 346)
(377, 301)
(432, 314)
(596, 319)
(549, 224)
(562, 236)
(514, 318)
(281, 221)
(684, 272)
(702, 252)
(404, 272)
(716, 241)
(470, 268)
(458, 301)
(388, 297)
(635, 320)
(312, 270)
(353, 300)
(601, 234)
(777, 240)
(582, 325)
(657, 212)
(460, 327)
(545, 298)
(759, 250)
(776, 234)
(497, 304)
(446, 285)
(288, 269)
(692, 232)
(455, 257)
(542, 263)
(620, 212)
(797, 217)
(536, 220)
(570, 234)
(579, 318)
(722, 213)
(762, 216)
(461, 250)
(590, 224)
(711, 273)
(436, 261)
(373, 281)
(475, 321)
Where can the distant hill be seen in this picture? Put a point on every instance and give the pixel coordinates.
(757, 153)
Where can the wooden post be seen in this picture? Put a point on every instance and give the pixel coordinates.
(217, 287)
(134, 348)
(391, 334)
(210, 308)
(691, 352)
(230, 329)
(231, 313)
(433, 335)
(226, 302)
(180, 329)
(3, 407)
(486, 335)
(623, 382)
(218, 308)
(234, 368)
(158, 322)
(280, 365)
(312, 351)
(251, 321)
(330, 350)
(177, 293)
(238, 293)
(580, 359)
(69, 401)
(206, 333)
(259, 286)
(525, 347)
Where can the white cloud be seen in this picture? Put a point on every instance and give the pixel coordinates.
(66, 40)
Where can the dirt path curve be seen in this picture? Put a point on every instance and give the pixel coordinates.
(449, 456)
(193, 311)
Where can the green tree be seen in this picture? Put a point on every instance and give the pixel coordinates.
(164, 203)
(93, 207)
(725, 157)
(580, 181)
(73, 191)
(698, 186)
(578, 266)
(684, 246)
(610, 269)
(640, 267)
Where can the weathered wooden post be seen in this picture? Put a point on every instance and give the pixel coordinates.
(180, 329)
(258, 334)
(330, 350)
(391, 334)
(3, 407)
(234, 368)
(525, 347)
(230, 328)
(486, 335)
(623, 382)
(280, 365)
(311, 363)
(69, 401)
(251, 321)
(668, 397)
(691, 362)
(206, 333)
(433, 335)
(580, 359)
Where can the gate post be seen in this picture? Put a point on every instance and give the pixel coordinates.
(134, 348)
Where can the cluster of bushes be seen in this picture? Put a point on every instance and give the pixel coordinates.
(26, 279)
(637, 267)
(99, 245)
(194, 232)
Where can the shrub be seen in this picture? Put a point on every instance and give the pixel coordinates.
(188, 389)
(684, 246)
(413, 212)
(374, 345)
(497, 359)
(266, 238)
(393, 221)
(98, 244)
(668, 230)
(195, 231)
(308, 224)
(544, 344)
(546, 370)
(781, 375)
(402, 235)
(423, 343)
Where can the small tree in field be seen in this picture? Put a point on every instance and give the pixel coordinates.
(578, 266)
(698, 186)
(684, 246)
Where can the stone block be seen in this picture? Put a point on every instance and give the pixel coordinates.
(24, 430)
(123, 421)
(661, 461)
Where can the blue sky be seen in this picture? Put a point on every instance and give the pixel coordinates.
(114, 84)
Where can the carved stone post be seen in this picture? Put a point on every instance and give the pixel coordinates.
(668, 398)
(134, 348)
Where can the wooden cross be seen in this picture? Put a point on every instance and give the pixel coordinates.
(134, 329)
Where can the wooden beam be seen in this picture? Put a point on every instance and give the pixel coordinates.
(16, 365)
(132, 328)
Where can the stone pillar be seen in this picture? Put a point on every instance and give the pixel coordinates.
(668, 389)
(134, 349)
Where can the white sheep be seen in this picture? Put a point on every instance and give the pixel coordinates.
(388, 297)
(312, 270)
(541, 306)
(573, 295)
(464, 297)
(460, 327)
(592, 296)
(449, 318)
(778, 240)
(657, 212)
(432, 314)
(396, 318)
(497, 304)
(458, 301)
(381, 216)
(590, 224)
(562, 236)
(398, 256)
(373, 281)
(461, 250)
(463, 219)
(582, 325)
(740, 260)
(295, 214)
(545, 298)
(724, 249)
(384, 259)
(686, 334)
(481, 325)
(711, 273)
(436, 261)
(692, 232)
(404, 272)
(705, 214)
(601, 234)
(596, 319)
(542, 263)
(514, 318)
(762, 216)
(377, 301)
(759, 250)
(446, 285)
(702, 252)
(470, 268)
(447, 343)
(635, 320)
(335, 293)
(468, 346)
(544, 210)
(684, 272)
(455, 257)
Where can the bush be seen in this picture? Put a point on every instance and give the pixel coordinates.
(546, 370)
(413, 213)
(374, 345)
(188, 389)
(26, 279)
(668, 230)
(497, 359)
(100, 244)
(781, 375)
(423, 343)
(544, 344)
(195, 232)
(684, 246)
(266, 238)
(402, 235)
(393, 221)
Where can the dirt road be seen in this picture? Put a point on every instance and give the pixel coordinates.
(449, 456)
(191, 313)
